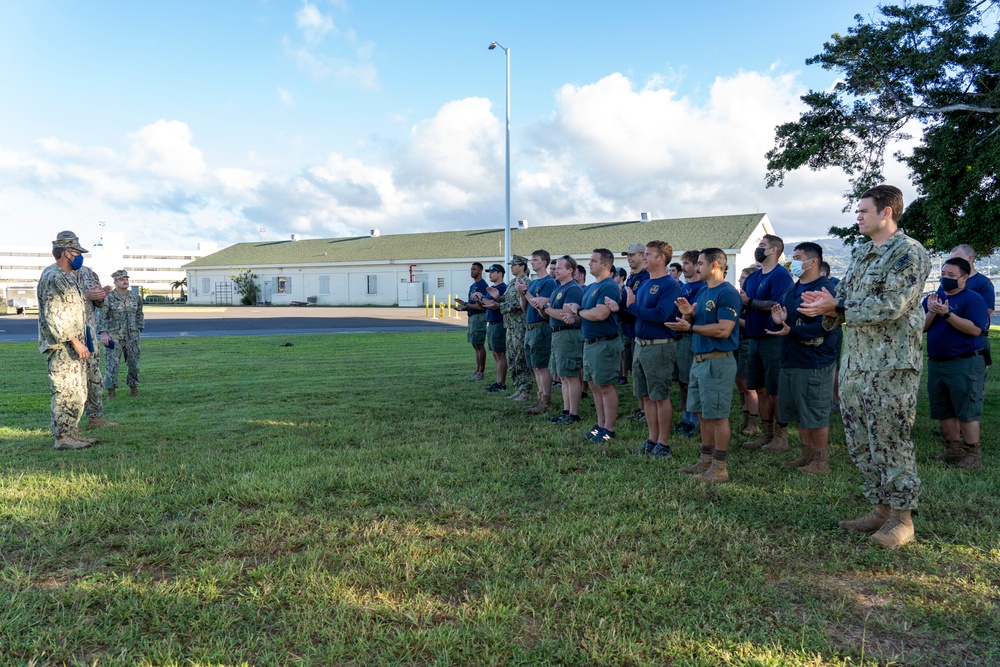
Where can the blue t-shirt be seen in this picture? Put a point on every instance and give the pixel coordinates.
(540, 287)
(654, 305)
(690, 290)
(494, 314)
(764, 287)
(570, 292)
(594, 296)
(983, 286)
(626, 318)
(944, 340)
(808, 344)
(712, 305)
(478, 287)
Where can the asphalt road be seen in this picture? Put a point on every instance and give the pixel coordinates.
(164, 322)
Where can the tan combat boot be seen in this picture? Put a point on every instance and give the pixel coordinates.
(134, 391)
(76, 435)
(819, 464)
(779, 443)
(870, 522)
(897, 531)
(69, 442)
(953, 452)
(543, 406)
(715, 474)
(523, 395)
(94, 422)
(534, 405)
(703, 464)
(804, 458)
(971, 457)
(751, 424)
(766, 434)
(111, 394)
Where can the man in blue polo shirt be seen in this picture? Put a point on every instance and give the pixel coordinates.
(712, 318)
(538, 337)
(496, 332)
(602, 344)
(567, 343)
(982, 286)
(476, 334)
(634, 255)
(652, 304)
(693, 284)
(808, 362)
(761, 291)
(956, 317)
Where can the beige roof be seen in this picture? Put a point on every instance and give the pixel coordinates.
(724, 231)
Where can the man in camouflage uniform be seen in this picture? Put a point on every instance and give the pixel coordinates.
(121, 321)
(62, 337)
(94, 296)
(513, 319)
(879, 306)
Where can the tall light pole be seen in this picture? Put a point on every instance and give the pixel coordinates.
(506, 231)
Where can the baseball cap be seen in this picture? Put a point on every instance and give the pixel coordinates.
(634, 248)
(496, 267)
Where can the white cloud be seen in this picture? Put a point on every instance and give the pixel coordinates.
(313, 23)
(286, 97)
(164, 149)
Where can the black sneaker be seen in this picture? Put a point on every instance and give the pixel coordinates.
(558, 419)
(604, 436)
(622, 380)
(594, 431)
(646, 448)
(571, 419)
(496, 386)
(661, 451)
(638, 415)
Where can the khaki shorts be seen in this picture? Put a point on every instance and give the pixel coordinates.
(476, 334)
(602, 361)
(710, 391)
(567, 351)
(652, 369)
(805, 395)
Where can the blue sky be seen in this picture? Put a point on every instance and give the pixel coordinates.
(203, 121)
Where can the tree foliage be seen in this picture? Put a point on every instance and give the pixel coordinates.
(244, 282)
(932, 69)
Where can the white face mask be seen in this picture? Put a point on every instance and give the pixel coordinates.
(796, 268)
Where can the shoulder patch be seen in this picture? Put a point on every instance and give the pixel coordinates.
(903, 262)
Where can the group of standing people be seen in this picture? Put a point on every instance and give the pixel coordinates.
(76, 317)
(784, 340)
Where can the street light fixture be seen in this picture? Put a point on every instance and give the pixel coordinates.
(506, 233)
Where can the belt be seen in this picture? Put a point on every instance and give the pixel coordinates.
(591, 341)
(555, 329)
(535, 325)
(964, 355)
(711, 355)
(653, 341)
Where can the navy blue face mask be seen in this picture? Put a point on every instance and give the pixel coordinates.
(949, 284)
(77, 262)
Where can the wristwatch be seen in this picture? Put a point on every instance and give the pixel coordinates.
(946, 315)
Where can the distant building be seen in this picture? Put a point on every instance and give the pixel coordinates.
(151, 268)
(400, 269)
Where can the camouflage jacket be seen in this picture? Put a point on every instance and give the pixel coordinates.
(62, 313)
(883, 320)
(87, 279)
(121, 316)
(510, 303)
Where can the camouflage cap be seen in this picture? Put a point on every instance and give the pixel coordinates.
(518, 259)
(68, 240)
(120, 273)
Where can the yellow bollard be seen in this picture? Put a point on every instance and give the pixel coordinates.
(434, 307)
(427, 305)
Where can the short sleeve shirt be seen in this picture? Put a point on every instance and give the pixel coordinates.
(713, 305)
(571, 292)
(541, 287)
(594, 296)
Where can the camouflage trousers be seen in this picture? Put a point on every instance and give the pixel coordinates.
(130, 348)
(68, 380)
(521, 376)
(878, 409)
(95, 384)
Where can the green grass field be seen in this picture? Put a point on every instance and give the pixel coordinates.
(352, 499)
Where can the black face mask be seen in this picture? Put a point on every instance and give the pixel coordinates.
(949, 284)
(760, 254)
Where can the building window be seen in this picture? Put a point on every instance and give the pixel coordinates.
(282, 285)
(324, 284)
(440, 283)
(373, 284)
(206, 285)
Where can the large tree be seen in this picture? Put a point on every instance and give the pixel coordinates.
(932, 70)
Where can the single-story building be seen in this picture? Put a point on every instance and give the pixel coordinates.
(404, 268)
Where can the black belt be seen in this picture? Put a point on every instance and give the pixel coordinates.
(591, 341)
(964, 355)
(555, 329)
